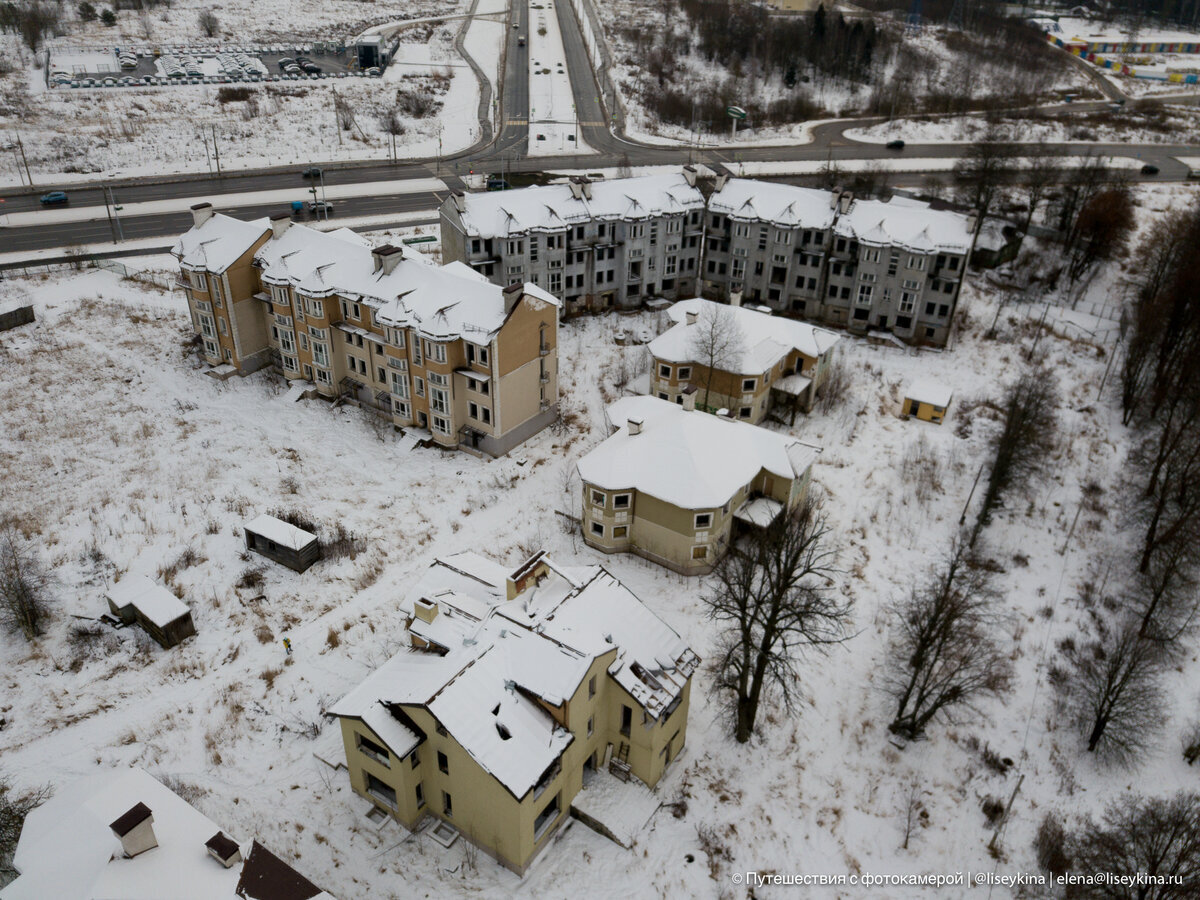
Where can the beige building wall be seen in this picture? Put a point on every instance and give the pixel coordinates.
(667, 534)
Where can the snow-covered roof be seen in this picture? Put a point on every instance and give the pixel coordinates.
(447, 302)
(282, 533)
(907, 224)
(219, 242)
(688, 458)
(765, 339)
(149, 598)
(760, 512)
(67, 851)
(543, 642)
(784, 205)
(926, 390)
(553, 207)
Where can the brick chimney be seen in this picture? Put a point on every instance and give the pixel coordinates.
(633, 426)
(201, 213)
(834, 196)
(586, 184)
(425, 609)
(136, 830)
(224, 849)
(691, 317)
(689, 397)
(846, 199)
(722, 180)
(386, 258)
(689, 175)
(576, 188)
(460, 202)
(280, 222)
(735, 298)
(512, 296)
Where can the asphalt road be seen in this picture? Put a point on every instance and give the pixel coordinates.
(507, 153)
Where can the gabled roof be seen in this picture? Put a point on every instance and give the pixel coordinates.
(267, 877)
(447, 302)
(553, 207)
(782, 204)
(500, 653)
(219, 242)
(765, 339)
(282, 533)
(68, 851)
(151, 599)
(688, 458)
(906, 224)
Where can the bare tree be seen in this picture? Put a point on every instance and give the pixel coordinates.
(24, 584)
(1023, 442)
(1101, 231)
(1191, 743)
(772, 596)
(983, 170)
(1149, 837)
(945, 656)
(208, 22)
(1036, 180)
(914, 810)
(1118, 694)
(14, 807)
(715, 343)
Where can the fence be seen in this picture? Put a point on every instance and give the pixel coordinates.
(14, 318)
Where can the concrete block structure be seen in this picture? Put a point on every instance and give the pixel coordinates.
(594, 244)
(435, 349)
(739, 359)
(518, 687)
(674, 484)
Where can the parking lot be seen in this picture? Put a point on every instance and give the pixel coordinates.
(172, 66)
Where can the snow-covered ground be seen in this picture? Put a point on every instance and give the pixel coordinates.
(1179, 125)
(154, 458)
(939, 69)
(553, 123)
(77, 133)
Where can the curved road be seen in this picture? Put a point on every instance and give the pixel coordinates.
(506, 151)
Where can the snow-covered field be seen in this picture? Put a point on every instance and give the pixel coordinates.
(131, 131)
(145, 458)
(1178, 125)
(939, 69)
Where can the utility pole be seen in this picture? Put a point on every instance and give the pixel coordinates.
(337, 125)
(108, 212)
(207, 155)
(216, 150)
(21, 147)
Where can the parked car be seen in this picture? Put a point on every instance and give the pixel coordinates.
(311, 68)
(312, 172)
(895, 145)
(286, 61)
(1149, 169)
(320, 207)
(497, 184)
(374, 72)
(54, 198)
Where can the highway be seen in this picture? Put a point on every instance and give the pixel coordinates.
(505, 152)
